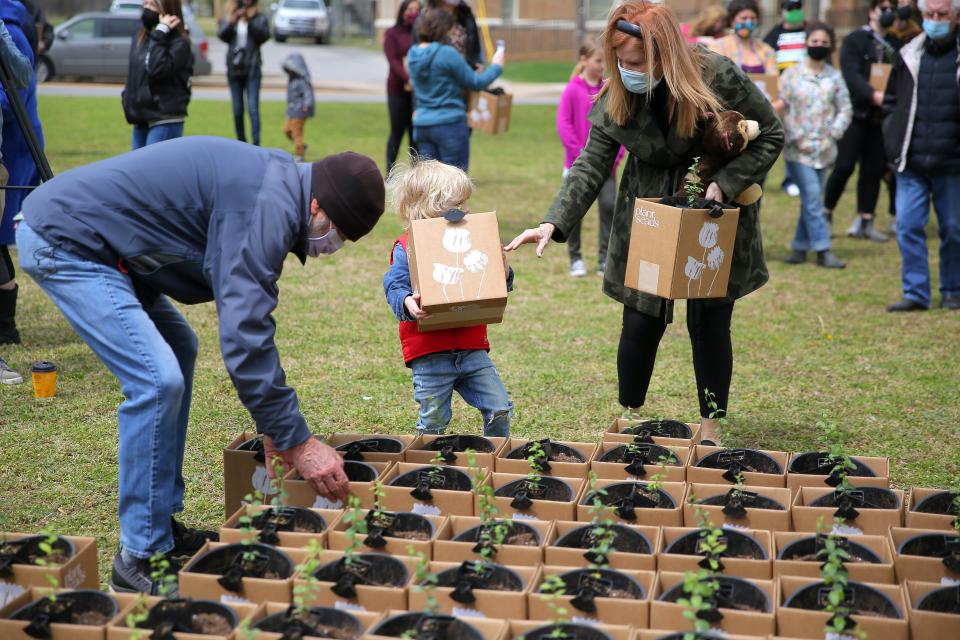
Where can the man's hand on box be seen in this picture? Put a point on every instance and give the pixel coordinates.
(714, 192)
(412, 304)
(541, 235)
(320, 465)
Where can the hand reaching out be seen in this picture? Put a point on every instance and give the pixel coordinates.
(541, 235)
(319, 464)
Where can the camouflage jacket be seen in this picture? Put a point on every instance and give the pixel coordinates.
(656, 166)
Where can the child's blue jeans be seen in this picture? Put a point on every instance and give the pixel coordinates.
(471, 374)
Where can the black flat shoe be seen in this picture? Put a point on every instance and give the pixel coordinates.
(906, 305)
(796, 257)
(950, 302)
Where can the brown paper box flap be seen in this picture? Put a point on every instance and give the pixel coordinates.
(870, 521)
(118, 629)
(859, 571)
(490, 629)
(920, 568)
(670, 615)
(769, 85)
(366, 618)
(618, 470)
(416, 453)
(79, 572)
(704, 475)
(614, 434)
(739, 567)
(617, 632)
(255, 590)
(231, 531)
(919, 520)
(564, 469)
(447, 550)
(879, 75)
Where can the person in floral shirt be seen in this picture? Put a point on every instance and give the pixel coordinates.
(816, 114)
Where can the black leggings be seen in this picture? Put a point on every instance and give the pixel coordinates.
(401, 122)
(709, 328)
(863, 141)
(7, 272)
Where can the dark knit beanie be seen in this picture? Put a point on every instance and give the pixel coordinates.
(349, 188)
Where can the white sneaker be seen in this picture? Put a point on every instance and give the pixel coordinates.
(856, 228)
(578, 269)
(8, 375)
(792, 190)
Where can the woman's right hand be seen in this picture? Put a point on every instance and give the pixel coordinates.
(498, 58)
(170, 20)
(412, 304)
(541, 235)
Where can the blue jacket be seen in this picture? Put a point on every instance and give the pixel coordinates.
(440, 76)
(197, 219)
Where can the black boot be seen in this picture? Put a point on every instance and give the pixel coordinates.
(8, 311)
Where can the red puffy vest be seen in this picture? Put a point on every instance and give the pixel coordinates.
(418, 343)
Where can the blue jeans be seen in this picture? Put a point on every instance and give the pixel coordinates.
(813, 232)
(471, 374)
(251, 86)
(914, 193)
(144, 135)
(152, 350)
(448, 143)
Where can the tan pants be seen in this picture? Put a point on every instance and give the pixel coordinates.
(293, 129)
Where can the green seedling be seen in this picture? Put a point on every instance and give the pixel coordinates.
(357, 526)
(493, 532)
(553, 589)
(46, 547)
(160, 574)
(136, 616)
(655, 482)
(535, 456)
(692, 186)
(378, 495)
(277, 483)
(834, 574)
(701, 589)
(252, 504)
(309, 586)
(716, 413)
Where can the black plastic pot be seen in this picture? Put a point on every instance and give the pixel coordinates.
(27, 551)
(736, 461)
(424, 481)
(83, 606)
(818, 463)
(356, 449)
(635, 456)
(735, 593)
(739, 545)
(626, 497)
(862, 498)
(697, 635)
(585, 585)
(568, 631)
(320, 622)
(369, 569)
(736, 503)
(524, 493)
(229, 563)
(649, 429)
(426, 627)
(626, 540)
(273, 520)
(861, 598)
(940, 503)
(934, 545)
(553, 450)
(806, 549)
(449, 446)
(405, 526)
(191, 616)
(478, 575)
(518, 533)
(942, 600)
(356, 471)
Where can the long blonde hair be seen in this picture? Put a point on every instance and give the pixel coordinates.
(426, 189)
(709, 16)
(681, 63)
(587, 50)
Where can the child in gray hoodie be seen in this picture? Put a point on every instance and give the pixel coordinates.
(299, 102)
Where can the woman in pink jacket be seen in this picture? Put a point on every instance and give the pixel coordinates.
(573, 129)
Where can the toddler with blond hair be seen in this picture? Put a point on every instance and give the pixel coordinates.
(445, 360)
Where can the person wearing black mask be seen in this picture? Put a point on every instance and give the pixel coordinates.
(907, 25)
(245, 29)
(157, 92)
(396, 43)
(863, 140)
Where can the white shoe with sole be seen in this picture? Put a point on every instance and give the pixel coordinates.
(8, 375)
(578, 269)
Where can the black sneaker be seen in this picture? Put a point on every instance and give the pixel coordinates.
(187, 541)
(135, 577)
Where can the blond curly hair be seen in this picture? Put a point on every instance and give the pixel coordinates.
(426, 188)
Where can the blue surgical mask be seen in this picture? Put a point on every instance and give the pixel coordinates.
(744, 29)
(936, 29)
(636, 81)
(328, 243)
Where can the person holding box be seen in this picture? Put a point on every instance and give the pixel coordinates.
(654, 106)
(444, 360)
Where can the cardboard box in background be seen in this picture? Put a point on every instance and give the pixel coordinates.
(518, 628)
(568, 556)
(929, 625)
(369, 598)
(204, 586)
(231, 532)
(243, 474)
(118, 629)
(879, 75)
(769, 85)
(860, 571)
(366, 618)
(680, 253)
(416, 453)
(739, 567)
(488, 604)
(669, 615)
(457, 268)
(917, 520)
(338, 439)
(13, 629)
(645, 516)
(616, 611)
(447, 550)
(919, 568)
(614, 434)
(79, 572)
(755, 518)
(564, 469)
(871, 521)
(488, 112)
(395, 546)
(541, 509)
(704, 475)
(301, 494)
(444, 502)
(880, 466)
(489, 629)
(618, 470)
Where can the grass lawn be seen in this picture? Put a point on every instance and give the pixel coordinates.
(812, 344)
(537, 71)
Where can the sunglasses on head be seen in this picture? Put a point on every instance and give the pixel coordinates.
(793, 4)
(629, 28)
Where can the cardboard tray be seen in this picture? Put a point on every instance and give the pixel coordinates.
(13, 629)
(669, 615)
(445, 502)
(616, 611)
(230, 531)
(118, 629)
(563, 469)
(882, 573)
(739, 567)
(617, 470)
(338, 540)
(751, 479)
(929, 625)
(445, 549)
(416, 454)
(369, 598)
(616, 632)
(255, 590)
(870, 521)
(338, 439)
(541, 509)
(919, 568)
(614, 433)
(79, 572)
(488, 604)
(489, 629)
(917, 520)
(242, 475)
(880, 466)
(301, 494)
(754, 519)
(661, 517)
(569, 557)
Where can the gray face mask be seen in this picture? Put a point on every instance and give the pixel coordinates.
(328, 243)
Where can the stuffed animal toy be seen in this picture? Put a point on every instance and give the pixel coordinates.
(725, 137)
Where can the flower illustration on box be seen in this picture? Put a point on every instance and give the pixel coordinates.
(712, 259)
(476, 262)
(457, 241)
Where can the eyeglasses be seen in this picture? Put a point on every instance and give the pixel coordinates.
(793, 4)
(942, 15)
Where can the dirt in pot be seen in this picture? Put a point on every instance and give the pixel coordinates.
(518, 533)
(406, 526)
(734, 593)
(546, 488)
(460, 443)
(739, 545)
(821, 464)
(191, 616)
(320, 622)
(740, 460)
(355, 449)
(426, 480)
(374, 569)
(566, 631)
(862, 599)
(81, 607)
(625, 540)
(603, 583)
(931, 545)
(27, 550)
(645, 453)
(420, 625)
(941, 503)
(860, 498)
(234, 562)
(748, 499)
(943, 600)
(659, 429)
(288, 519)
(555, 451)
(806, 549)
(478, 575)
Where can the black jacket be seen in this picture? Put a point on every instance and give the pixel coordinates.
(920, 124)
(158, 77)
(860, 49)
(239, 64)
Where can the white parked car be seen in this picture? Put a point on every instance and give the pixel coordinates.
(301, 19)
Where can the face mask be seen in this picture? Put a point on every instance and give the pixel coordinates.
(150, 19)
(818, 53)
(410, 18)
(905, 13)
(887, 18)
(328, 243)
(793, 16)
(636, 81)
(936, 29)
(744, 29)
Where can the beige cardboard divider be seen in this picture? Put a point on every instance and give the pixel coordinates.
(917, 520)
(621, 560)
(340, 439)
(880, 466)
(231, 531)
(118, 629)
(14, 629)
(540, 509)
(255, 590)
(801, 623)
(489, 603)
(703, 475)
(79, 572)
(769, 85)
(457, 268)
(448, 550)
(444, 501)
(563, 469)
(879, 75)
(616, 611)
(489, 112)
(920, 568)
(615, 433)
(882, 573)
(518, 628)
(870, 521)
(678, 253)
(243, 475)
(659, 634)
(929, 625)
(770, 519)
(669, 615)
(739, 567)
(395, 546)
(618, 470)
(489, 629)
(301, 494)
(416, 453)
(672, 517)
(366, 618)
(369, 598)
